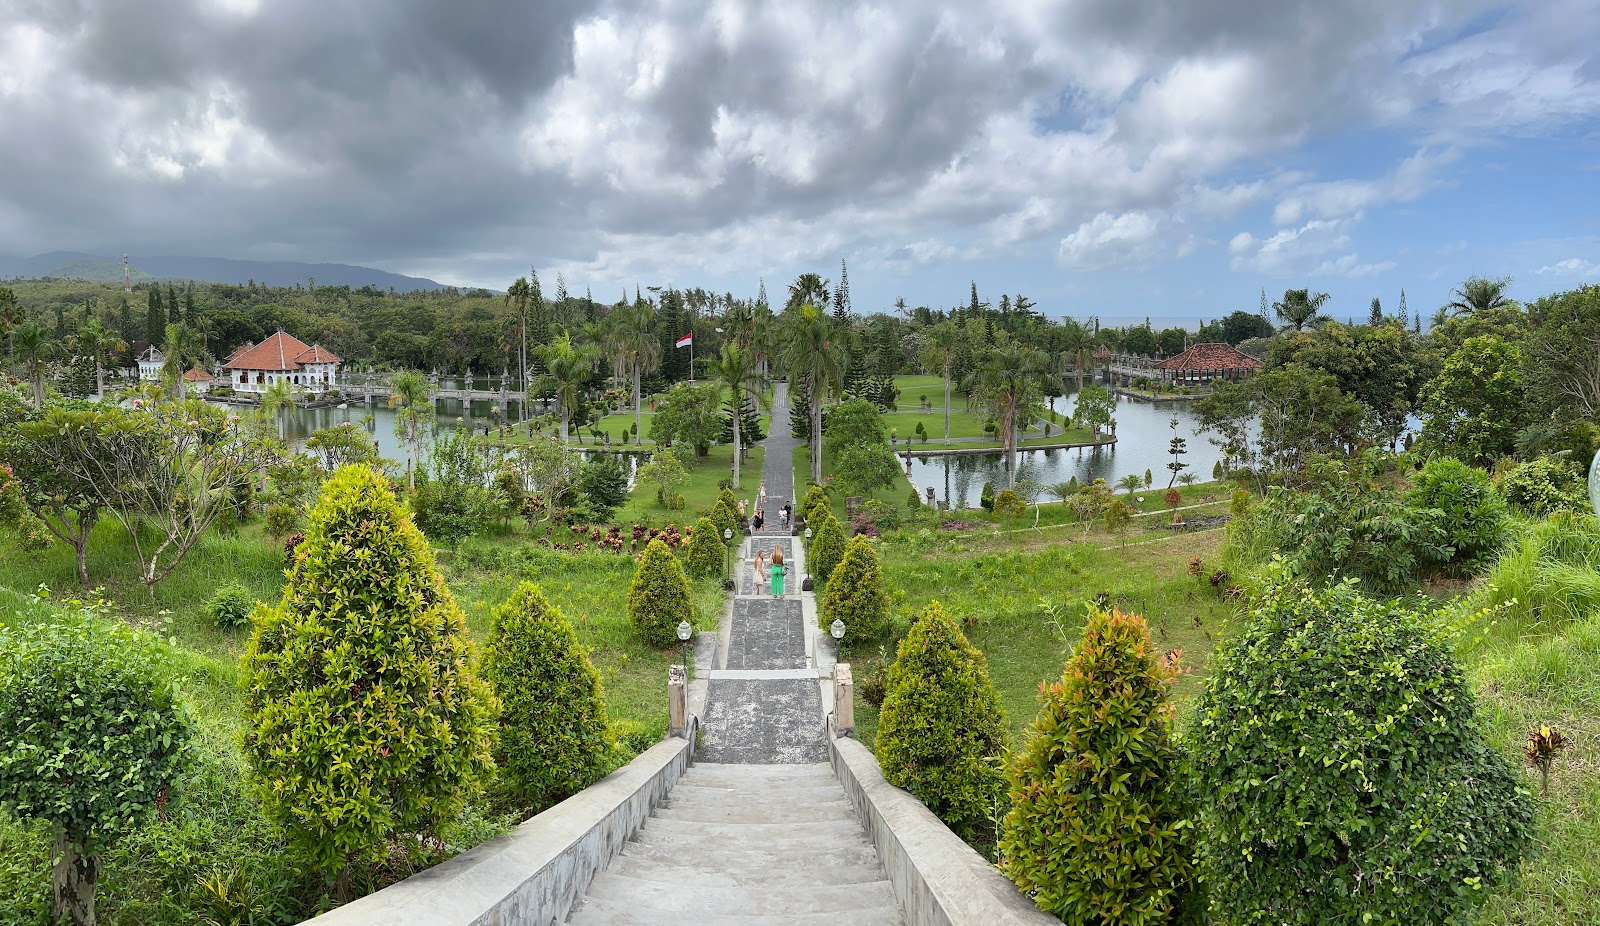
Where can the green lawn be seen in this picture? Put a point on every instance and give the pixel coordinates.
(215, 829)
(893, 495)
(701, 493)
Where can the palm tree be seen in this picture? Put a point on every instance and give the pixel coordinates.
(735, 368)
(1076, 341)
(1300, 309)
(413, 392)
(97, 341)
(280, 396)
(181, 351)
(815, 355)
(570, 367)
(938, 346)
(641, 351)
(1132, 483)
(807, 289)
(31, 343)
(1479, 294)
(518, 294)
(1009, 378)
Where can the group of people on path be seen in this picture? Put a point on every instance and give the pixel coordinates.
(769, 566)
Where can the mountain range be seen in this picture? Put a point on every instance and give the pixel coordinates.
(77, 266)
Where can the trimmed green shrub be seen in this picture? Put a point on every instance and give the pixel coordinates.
(554, 736)
(814, 497)
(855, 594)
(95, 740)
(1344, 772)
(1543, 486)
(1474, 519)
(986, 496)
(659, 596)
(725, 520)
(726, 497)
(913, 500)
(363, 719)
(1008, 505)
(827, 549)
(282, 519)
(1096, 822)
(705, 554)
(941, 726)
(231, 606)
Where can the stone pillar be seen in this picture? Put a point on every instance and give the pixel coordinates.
(677, 701)
(844, 701)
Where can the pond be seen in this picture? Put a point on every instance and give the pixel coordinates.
(1143, 438)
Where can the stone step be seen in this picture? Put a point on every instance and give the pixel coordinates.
(751, 812)
(692, 833)
(607, 913)
(785, 873)
(754, 898)
(801, 791)
(756, 773)
(836, 862)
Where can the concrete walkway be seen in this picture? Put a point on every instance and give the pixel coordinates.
(758, 830)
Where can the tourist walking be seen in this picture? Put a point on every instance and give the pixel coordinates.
(760, 570)
(777, 571)
(763, 495)
(760, 519)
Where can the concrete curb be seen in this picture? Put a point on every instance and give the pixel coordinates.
(938, 879)
(538, 872)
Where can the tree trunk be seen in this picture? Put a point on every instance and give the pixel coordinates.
(38, 389)
(638, 406)
(80, 546)
(99, 381)
(563, 403)
(816, 436)
(738, 407)
(72, 877)
(947, 405)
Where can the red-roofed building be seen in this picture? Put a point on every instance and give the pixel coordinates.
(282, 358)
(199, 380)
(1206, 363)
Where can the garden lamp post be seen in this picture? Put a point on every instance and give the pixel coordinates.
(808, 553)
(684, 630)
(836, 630)
(727, 549)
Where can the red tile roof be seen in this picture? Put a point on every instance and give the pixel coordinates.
(282, 352)
(197, 375)
(1210, 357)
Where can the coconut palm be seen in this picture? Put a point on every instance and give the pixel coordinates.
(938, 346)
(180, 352)
(570, 367)
(641, 352)
(281, 396)
(1132, 483)
(1076, 342)
(518, 294)
(815, 355)
(1009, 379)
(1479, 294)
(32, 345)
(735, 368)
(1301, 309)
(97, 341)
(412, 392)
(807, 289)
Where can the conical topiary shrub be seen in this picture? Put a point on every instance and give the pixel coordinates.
(659, 597)
(363, 718)
(814, 497)
(704, 554)
(1095, 821)
(724, 519)
(728, 500)
(856, 595)
(941, 725)
(827, 548)
(554, 735)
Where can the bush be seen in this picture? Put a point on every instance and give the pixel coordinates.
(1473, 518)
(914, 500)
(658, 597)
(231, 606)
(1344, 769)
(815, 497)
(724, 519)
(855, 594)
(363, 719)
(1239, 503)
(1008, 505)
(603, 487)
(554, 737)
(705, 554)
(827, 548)
(1542, 486)
(941, 725)
(1095, 822)
(282, 519)
(96, 741)
(727, 499)
(986, 496)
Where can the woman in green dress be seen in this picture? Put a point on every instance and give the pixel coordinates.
(777, 571)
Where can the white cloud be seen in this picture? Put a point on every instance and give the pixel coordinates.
(1414, 177)
(1112, 242)
(1573, 267)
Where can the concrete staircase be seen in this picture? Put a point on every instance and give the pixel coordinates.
(758, 844)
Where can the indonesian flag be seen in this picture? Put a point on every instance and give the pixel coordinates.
(686, 340)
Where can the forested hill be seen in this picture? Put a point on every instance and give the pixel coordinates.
(75, 266)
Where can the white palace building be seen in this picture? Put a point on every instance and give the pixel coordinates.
(282, 358)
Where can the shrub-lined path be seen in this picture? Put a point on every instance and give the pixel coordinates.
(758, 830)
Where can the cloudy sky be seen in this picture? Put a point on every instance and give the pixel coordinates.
(1110, 157)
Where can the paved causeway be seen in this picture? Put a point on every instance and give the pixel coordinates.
(758, 830)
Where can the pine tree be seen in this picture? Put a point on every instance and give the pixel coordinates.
(155, 323)
(799, 412)
(841, 296)
(761, 293)
(827, 548)
(749, 424)
(856, 594)
(1263, 310)
(1402, 316)
(188, 306)
(1375, 317)
(173, 315)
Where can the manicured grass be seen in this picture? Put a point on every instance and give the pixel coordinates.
(894, 495)
(913, 387)
(700, 495)
(1000, 594)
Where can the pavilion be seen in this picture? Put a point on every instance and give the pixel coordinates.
(1207, 363)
